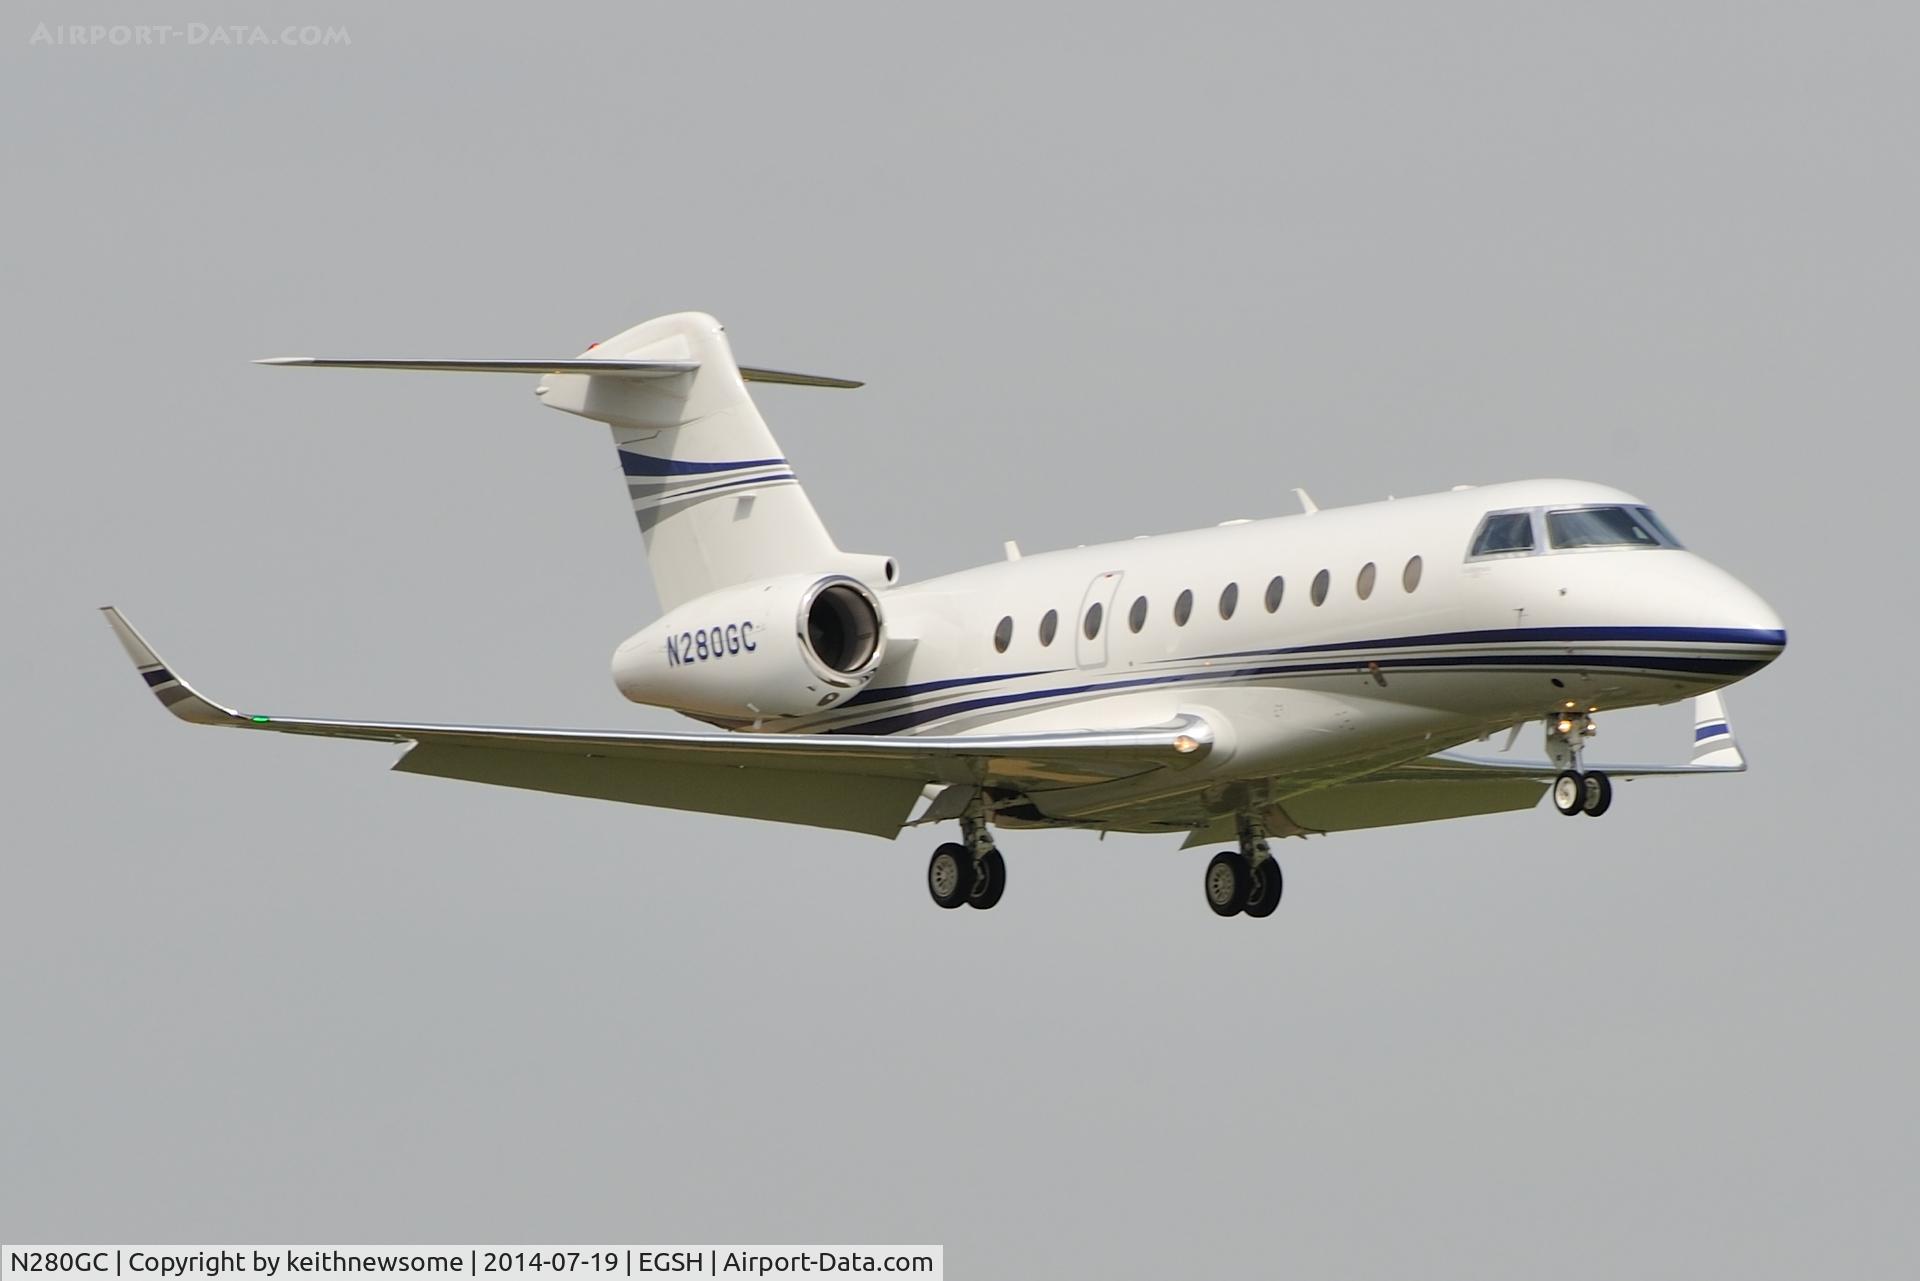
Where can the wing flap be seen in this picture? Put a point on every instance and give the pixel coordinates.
(1369, 803)
(1382, 800)
(813, 797)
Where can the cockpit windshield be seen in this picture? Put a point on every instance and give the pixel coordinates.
(1533, 531)
(1503, 533)
(1607, 527)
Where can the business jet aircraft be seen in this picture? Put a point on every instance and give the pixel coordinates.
(1286, 677)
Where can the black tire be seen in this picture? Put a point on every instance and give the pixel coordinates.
(991, 882)
(1228, 882)
(1569, 792)
(1263, 895)
(950, 875)
(1596, 794)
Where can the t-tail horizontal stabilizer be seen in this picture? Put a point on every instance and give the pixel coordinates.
(716, 500)
(608, 368)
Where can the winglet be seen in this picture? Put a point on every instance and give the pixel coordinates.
(1713, 741)
(174, 694)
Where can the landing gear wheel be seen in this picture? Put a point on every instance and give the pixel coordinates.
(990, 882)
(1229, 881)
(1596, 793)
(1264, 894)
(1569, 792)
(950, 875)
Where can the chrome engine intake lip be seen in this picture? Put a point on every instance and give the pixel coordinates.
(841, 615)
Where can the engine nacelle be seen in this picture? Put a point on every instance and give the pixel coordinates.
(781, 647)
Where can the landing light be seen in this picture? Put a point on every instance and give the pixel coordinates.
(1185, 744)
(1565, 726)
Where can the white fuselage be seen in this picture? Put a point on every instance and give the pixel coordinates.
(1256, 679)
(1388, 664)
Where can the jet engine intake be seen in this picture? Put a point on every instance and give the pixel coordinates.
(777, 648)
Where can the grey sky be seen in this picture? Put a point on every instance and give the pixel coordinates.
(1104, 278)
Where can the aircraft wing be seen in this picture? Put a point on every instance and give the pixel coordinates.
(858, 783)
(1454, 784)
(1714, 752)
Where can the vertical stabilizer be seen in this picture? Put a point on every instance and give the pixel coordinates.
(716, 501)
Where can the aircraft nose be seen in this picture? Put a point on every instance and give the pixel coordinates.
(1742, 615)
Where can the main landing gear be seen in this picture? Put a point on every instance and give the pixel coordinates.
(969, 873)
(1246, 880)
(1575, 791)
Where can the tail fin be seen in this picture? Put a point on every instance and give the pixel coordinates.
(717, 502)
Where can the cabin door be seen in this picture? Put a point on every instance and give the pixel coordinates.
(1095, 620)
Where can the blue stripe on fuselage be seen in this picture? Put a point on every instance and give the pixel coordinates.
(1708, 635)
(1732, 668)
(1509, 635)
(928, 687)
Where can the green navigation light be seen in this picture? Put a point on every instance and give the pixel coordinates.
(258, 720)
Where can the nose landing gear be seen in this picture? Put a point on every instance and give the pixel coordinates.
(1576, 791)
(1596, 794)
(1590, 793)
